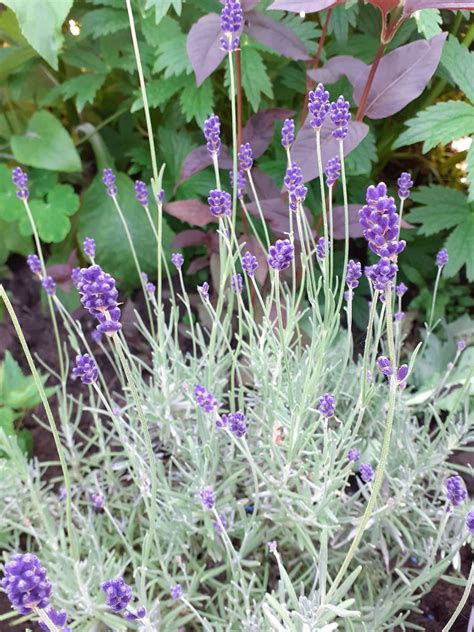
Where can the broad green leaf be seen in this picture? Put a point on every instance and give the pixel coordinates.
(173, 57)
(46, 144)
(163, 6)
(99, 219)
(428, 22)
(11, 59)
(197, 103)
(104, 21)
(41, 23)
(460, 246)
(459, 63)
(360, 160)
(11, 240)
(11, 208)
(7, 417)
(441, 208)
(470, 171)
(440, 123)
(255, 79)
(175, 146)
(52, 217)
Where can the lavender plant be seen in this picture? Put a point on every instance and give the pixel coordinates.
(274, 477)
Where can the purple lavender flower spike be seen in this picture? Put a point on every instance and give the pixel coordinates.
(58, 618)
(177, 260)
(442, 258)
(327, 405)
(340, 117)
(118, 594)
(405, 183)
(89, 247)
(222, 421)
(141, 192)
(385, 366)
(207, 497)
(108, 178)
(20, 180)
(161, 196)
(297, 197)
(281, 255)
(98, 501)
(366, 472)
(49, 285)
(381, 273)
(399, 316)
(85, 369)
(401, 289)
(34, 264)
(176, 592)
(470, 522)
(461, 345)
(220, 525)
(212, 134)
(231, 22)
(353, 455)
(75, 276)
(245, 157)
(332, 171)
(272, 546)
(318, 106)
(205, 399)
(237, 424)
(26, 583)
(293, 177)
(353, 273)
(236, 283)
(402, 373)
(455, 490)
(380, 223)
(288, 133)
(249, 263)
(204, 291)
(240, 182)
(220, 203)
(321, 247)
(96, 336)
(99, 296)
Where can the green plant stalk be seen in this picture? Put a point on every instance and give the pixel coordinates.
(49, 414)
(463, 601)
(346, 224)
(433, 302)
(325, 223)
(234, 137)
(42, 616)
(160, 250)
(188, 309)
(259, 207)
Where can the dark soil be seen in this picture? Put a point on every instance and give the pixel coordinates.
(437, 606)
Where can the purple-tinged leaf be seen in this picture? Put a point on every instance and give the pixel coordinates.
(264, 185)
(335, 68)
(401, 77)
(304, 149)
(309, 6)
(61, 272)
(355, 229)
(275, 211)
(385, 5)
(252, 245)
(203, 46)
(260, 127)
(247, 5)
(191, 211)
(199, 263)
(189, 237)
(275, 35)
(455, 5)
(199, 159)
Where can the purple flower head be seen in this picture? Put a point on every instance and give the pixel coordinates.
(207, 497)
(318, 106)
(176, 592)
(245, 157)
(470, 522)
(399, 316)
(138, 614)
(272, 546)
(49, 285)
(85, 369)
(237, 424)
(212, 134)
(293, 177)
(249, 263)
(401, 289)
(89, 247)
(381, 273)
(327, 405)
(141, 192)
(366, 472)
(204, 291)
(118, 594)
(205, 399)
(99, 296)
(220, 203)
(405, 183)
(353, 455)
(20, 180)
(353, 273)
(297, 197)
(442, 258)
(236, 283)
(240, 182)
(34, 264)
(222, 421)
(96, 336)
(220, 525)
(161, 196)
(108, 178)
(281, 255)
(288, 133)
(177, 260)
(321, 247)
(98, 501)
(332, 171)
(455, 490)
(340, 117)
(26, 583)
(231, 22)
(75, 276)
(461, 345)
(380, 222)
(402, 373)
(58, 618)
(384, 365)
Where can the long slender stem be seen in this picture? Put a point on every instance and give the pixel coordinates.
(461, 604)
(369, 82)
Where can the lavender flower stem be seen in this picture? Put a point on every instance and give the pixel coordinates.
(252, 225)
(188, 309)
(160, 252)
(42, 616)
(325, 222)
(284, 346)
(433, 302)
(462, 602)
(439, 535)
(346, 223)
(234, 136)
(215, 162)
(259, 207)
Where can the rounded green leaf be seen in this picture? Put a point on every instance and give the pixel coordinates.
(51, 217)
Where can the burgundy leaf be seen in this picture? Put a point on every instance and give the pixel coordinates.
(304, 149)
(355, 229)
(264, 185)
(275, 35)
(260, 127)
(191, 211)
(401, 77)
(203, 46)
(189, 237)
(275, 211)
(385, 5)
(199, 159)
(309, 6)
(338, 66)
(199, 263)
(252, 245)
(454, 5)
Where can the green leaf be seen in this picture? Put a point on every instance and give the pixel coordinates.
(441, 208)
(11, 59)
(41, 23)
(11, 376)
(25, 441)
(11, 240)
(428, 22)
(360, 161)
(341, 19)
(255, 79)
(459, 63)
(160, 91)
(52, 217)
(11, 208)
(84, 87)
(46, 144)
(173, 57)
(470, 171)
(175, 146)
(7, 417)
(460, 246)
(440, 123)
(163, 6)
(99, 219)
(104, 21)
(197, 103)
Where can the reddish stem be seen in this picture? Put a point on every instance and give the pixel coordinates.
(315, 64)
(368, 83)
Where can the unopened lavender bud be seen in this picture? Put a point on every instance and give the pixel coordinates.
(385, 366)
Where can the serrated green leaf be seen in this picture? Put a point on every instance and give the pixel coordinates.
(470, 171)
(80, 58)
(460, 246)
(13, 58)
(84, 87)
(160, 91)
(163, 6)
(7, 417)
(341, 19)
(157, 34)
(197, 103)
(459, 63)
(306, 30)
(440, 123)
(104, 21)
(441, 208)
(428, 22)
(11, 376)
(255, 79)
(52, 217)
(360, 161)
(173, 57)
(46, 145)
